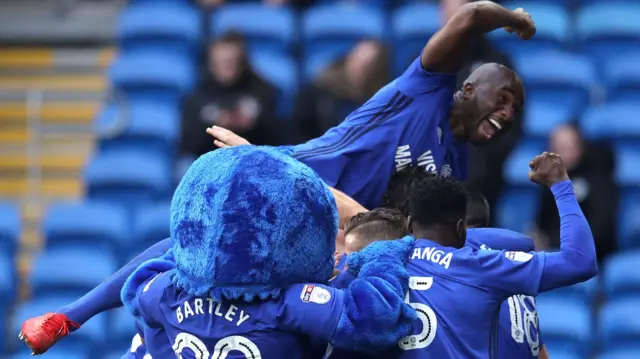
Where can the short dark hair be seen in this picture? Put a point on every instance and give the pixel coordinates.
(437, 200)
(376, 225)
(397, 194)
(478, 211)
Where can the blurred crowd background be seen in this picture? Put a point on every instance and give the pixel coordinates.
(103, 104)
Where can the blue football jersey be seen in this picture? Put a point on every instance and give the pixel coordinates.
(406, 123)
(518, 334)
(199, 328)
(458, 294)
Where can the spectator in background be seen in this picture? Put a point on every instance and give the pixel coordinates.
(486, 162)
(591, 170)
(341, 88)
(231, 96)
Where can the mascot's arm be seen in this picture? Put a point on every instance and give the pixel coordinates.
(143, 291)
(367, 316)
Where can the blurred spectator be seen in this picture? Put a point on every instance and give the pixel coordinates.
(591, 170)
(341, 88)
(485, 170)
(231, 96)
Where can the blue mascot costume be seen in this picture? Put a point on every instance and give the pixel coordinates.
(253, 233)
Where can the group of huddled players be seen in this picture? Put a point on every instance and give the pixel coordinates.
(274, 254)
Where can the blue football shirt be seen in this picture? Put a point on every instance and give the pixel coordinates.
(519, 329)
(406, 123)
(199, 328)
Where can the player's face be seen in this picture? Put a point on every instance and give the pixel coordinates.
(498, 104)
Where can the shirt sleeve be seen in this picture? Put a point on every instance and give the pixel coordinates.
(312, 309)
(147, 299)
(416, 80)
(506, 273)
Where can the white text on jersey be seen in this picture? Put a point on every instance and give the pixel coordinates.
(433, 255)
(199, 306)
(427, 161)
(403, 157)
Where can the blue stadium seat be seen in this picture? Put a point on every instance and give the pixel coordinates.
(10, 227)
(168, 26)
(517, 208)
(155, 75)
(629, 216)
(8, 282)
(316, 63)
(267, 28)
(619, 354)
(87, 225)
(609, 27)
(336, 28)
(619, 324)
(565, 324)
(69, 271)
(627, 171)
(89, 338)
(412, 26)
(282, 73)
(55, 353)
(516, 167)
(562, 355)
(129, 177)
(611, 122)
(584, 292)
(558, 78)
(621, 275)
(376, 4)
(137, 125)
(622, 78)
(542, 118)
(122, 327)
(552, 28)
(151, 226)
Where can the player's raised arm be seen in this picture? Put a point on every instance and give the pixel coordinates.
(447, 49)
(530, 273)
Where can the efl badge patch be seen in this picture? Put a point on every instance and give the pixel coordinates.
(313, 294)
(518, 256)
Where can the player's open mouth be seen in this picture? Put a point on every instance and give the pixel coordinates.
(489, 127)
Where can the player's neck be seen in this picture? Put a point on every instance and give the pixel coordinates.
(457, 117)
(435, 234)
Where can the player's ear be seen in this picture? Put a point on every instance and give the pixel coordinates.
(409, 225)
(461, 229)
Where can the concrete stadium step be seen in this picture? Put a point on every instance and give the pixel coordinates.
(48, 162)
(54, 82)
(13, 187)
(71, 112)
(61, 59)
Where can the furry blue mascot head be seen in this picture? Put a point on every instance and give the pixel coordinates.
(247, 222)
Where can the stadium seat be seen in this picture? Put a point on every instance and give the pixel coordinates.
(611, 122)
(622, 78)
(516, 167)
(562, 355)
(552, 29)
(609, 27)
(620, 327)
(128, 177)
(137, 125)
(541, 118)
(629, 215)
(412, 26)
(55, 353)
(565, 324)
(621, 275)
(584, 292)
(8, 279)
(69, 271)
(155, 75)
(334, 29)
(267, 28)
(619, 354)
(151, 226)
(164, 25)
(282, 73)
(89, 338)
(10, 227)
(627, 171)
(88, 225)
(558, 78)
(122, 327)
(517, 208)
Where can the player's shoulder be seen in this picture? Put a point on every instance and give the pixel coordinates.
(417, 80)
(500, 239)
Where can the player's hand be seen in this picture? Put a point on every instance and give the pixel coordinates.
(225, 138)
(527, 29)
(547, 169)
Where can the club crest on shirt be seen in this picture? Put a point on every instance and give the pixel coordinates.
(313, 294)
(518, 256)
(445, 171)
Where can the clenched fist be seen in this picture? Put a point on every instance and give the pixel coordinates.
(547, 169)
(527, 29)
